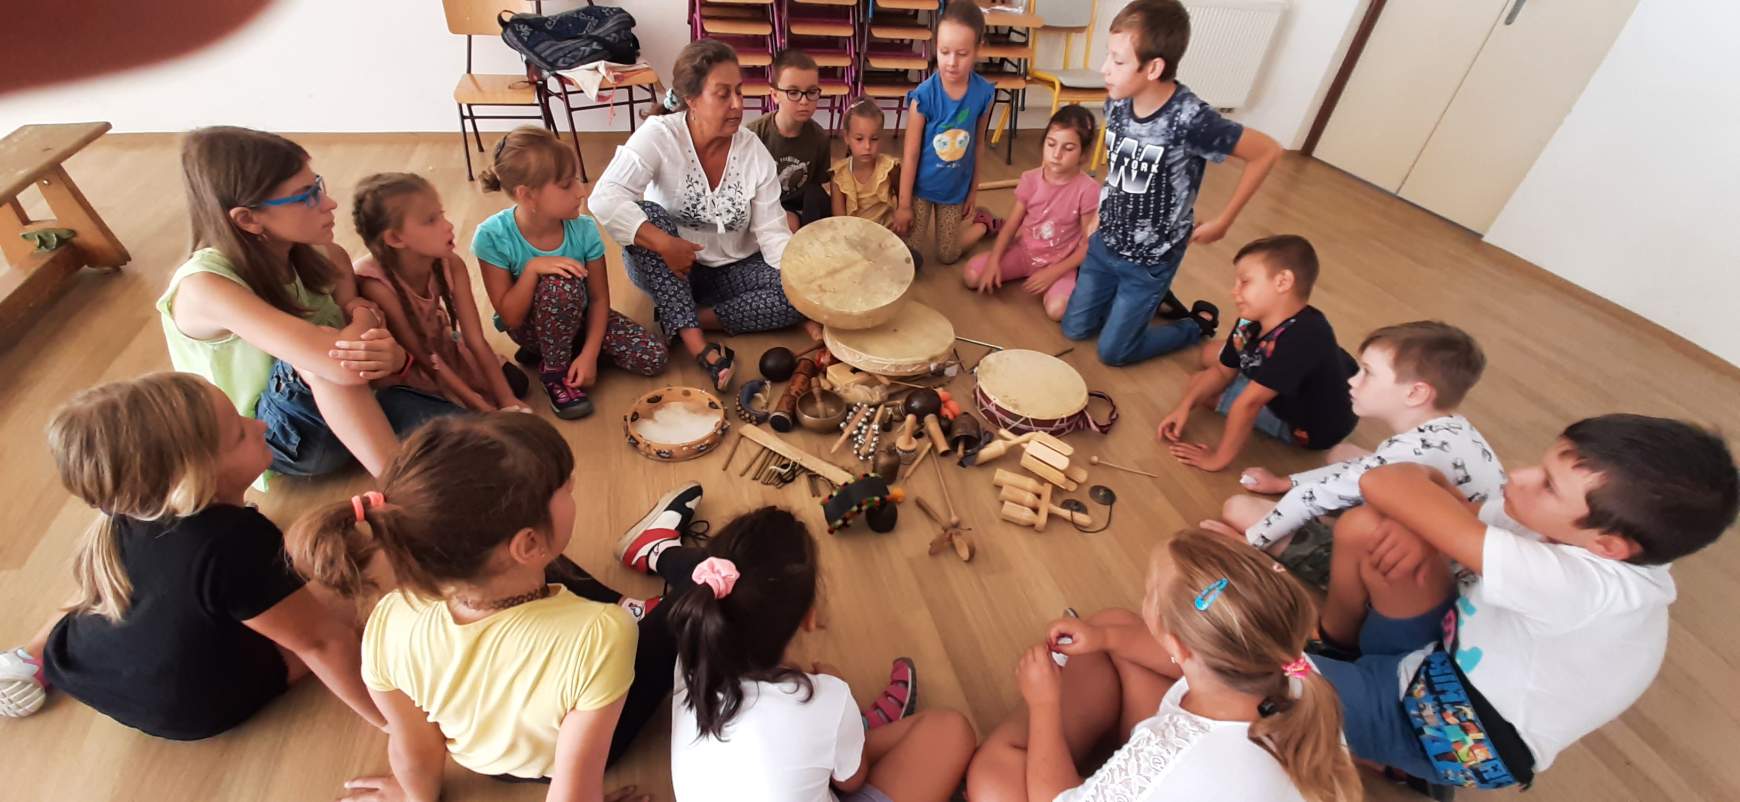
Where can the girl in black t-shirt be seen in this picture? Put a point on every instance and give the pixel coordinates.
(188, 617)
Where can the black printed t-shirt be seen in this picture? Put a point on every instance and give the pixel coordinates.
(1300, 360)
(1154, 167)
(181, 664)
(803, 159)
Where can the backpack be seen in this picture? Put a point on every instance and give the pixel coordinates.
(562, 41)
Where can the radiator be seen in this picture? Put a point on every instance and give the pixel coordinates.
(1229, 39)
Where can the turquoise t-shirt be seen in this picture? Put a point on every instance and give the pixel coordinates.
(499, 242)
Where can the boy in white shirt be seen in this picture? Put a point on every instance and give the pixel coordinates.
(1412, 377)
(1568, 623)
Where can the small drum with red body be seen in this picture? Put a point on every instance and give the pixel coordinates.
(1027, 391)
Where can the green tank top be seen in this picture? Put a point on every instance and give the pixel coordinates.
(236, 366)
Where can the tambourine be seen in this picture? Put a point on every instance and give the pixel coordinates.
(672, 424)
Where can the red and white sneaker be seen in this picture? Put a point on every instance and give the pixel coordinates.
(898, 700)
(21, 688)
(640, 608)
(660, 527)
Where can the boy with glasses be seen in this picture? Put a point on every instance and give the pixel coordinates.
(799, 146)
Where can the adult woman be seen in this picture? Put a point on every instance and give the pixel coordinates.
(708, 236)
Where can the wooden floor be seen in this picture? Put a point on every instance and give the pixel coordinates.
(1556, 354)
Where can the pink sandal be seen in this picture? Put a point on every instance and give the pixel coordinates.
(898, 700)
(992, 223)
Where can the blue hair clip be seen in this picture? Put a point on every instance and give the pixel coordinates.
(1209, 594)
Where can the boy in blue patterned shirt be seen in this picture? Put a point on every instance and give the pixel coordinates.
(1159, 137)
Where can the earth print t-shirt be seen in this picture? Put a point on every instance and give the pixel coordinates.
(802, 160)
(1154, 168)
(945, 156)
(1308, 371)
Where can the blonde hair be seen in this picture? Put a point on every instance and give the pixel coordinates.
(377, 208)
(1259, 622)
(530, 157)
(146, 449)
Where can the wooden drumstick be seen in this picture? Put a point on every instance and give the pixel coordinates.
(1095, 460)
(786, 408)
(851, 426)
(923, 451)
(949, 503)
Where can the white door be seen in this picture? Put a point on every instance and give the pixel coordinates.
(1416, 57)
(1531, 70)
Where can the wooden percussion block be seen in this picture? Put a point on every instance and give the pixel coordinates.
(1017, 514)
(1005, 478)
(1047, 455)
(1017, 495)
(1052, 442)
(1047, 472)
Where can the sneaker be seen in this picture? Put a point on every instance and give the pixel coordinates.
(898, 700)
(567, 402)
(669, 516)
(21, 690)
(640, 608)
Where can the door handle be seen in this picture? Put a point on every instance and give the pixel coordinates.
(1515, 9)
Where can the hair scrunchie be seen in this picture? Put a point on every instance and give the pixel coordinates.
(717, 573)
(374, 501)
(671, 99)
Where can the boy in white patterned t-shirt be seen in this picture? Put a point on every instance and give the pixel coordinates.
(1412, 377)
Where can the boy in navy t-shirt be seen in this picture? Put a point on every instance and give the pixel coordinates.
(1159, 137)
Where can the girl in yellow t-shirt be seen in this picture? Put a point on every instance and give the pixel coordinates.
(494, 648)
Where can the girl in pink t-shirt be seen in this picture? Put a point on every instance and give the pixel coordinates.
(1056, 208)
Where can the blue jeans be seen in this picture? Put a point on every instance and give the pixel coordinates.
(301, 442)
(1116, 298)
(1267, 422)
(1376, 725)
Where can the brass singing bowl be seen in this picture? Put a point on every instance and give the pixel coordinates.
(821, 410)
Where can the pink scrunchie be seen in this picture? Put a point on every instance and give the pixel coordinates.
(1298, 669)
(717, 573)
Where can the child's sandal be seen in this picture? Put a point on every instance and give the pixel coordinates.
(721, 367)
(1172, 308)
(1207, 317)
(992, 224)
(899, 699)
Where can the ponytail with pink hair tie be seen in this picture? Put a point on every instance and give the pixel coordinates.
(717, 573)
(372, 500)
(1298, 669)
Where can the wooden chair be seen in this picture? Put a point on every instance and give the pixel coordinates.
(470, 18)
(896, 39)
(1009, 53)
(34, 154)
(749, 26)
(565, 90)
(1079, 84)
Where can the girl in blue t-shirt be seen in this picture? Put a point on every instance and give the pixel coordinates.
(947, 113)
(543, 267)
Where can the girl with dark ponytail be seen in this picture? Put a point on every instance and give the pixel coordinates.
(1217, 652)
(495, 648)
(746, 717)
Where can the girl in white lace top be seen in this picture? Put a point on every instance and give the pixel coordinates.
(1208, 681)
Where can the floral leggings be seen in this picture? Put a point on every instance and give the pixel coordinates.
(746, 294)
(556, 329)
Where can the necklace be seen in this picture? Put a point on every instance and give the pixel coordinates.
(509, 601)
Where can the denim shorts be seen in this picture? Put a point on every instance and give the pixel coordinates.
(1376, 724)
(303, 444)
(1267, 422)
(868, 793)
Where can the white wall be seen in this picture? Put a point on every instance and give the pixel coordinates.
(1635, 197)
(1308, 48)
(390, 65)
(318, 65)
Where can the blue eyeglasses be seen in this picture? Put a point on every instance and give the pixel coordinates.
(309, 197)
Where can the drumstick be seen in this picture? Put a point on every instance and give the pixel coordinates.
(1001, 183)
(954, 520)
(1095, 460)
(732, 454)
(851, 426)
(992, 346)
(923, 451)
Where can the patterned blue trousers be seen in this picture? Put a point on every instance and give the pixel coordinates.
(746, 294)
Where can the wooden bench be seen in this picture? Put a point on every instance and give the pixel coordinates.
(30, 155)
